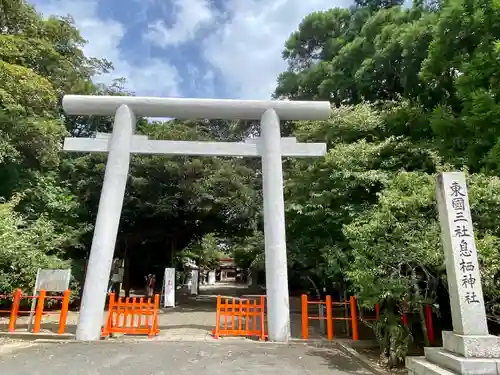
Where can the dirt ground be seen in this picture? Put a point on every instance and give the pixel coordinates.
(163, 357)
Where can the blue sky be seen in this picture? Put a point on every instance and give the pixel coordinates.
(189, 48)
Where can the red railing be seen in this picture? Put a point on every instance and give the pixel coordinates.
(329, 318)
(240, 317)
(15, 310)
(132, 316)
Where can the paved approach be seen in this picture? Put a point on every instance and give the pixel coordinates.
(164, 357)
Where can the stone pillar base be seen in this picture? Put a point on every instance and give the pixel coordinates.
(462, 355)
(469, 346)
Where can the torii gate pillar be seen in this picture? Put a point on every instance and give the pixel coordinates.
(122, 143)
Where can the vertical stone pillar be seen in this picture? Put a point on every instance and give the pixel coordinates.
(106, 226)
(462, 268)
(469, 349)
(278, 306)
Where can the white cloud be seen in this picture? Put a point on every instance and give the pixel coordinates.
(241, 45)
(244, 42)
(190, 15)
(151, 77)
(247, 48)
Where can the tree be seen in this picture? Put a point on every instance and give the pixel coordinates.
(39, 61)
(206, 252)
(421, 89)
(26, 246)
(375, 5)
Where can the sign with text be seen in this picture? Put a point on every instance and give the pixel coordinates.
(52, 280)
(211, 278)
(169, 288)
(117, 276)
(462, 268)
(194, 282)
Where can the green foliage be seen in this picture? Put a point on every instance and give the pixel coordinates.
(249, 252)
(414, 92)
(206, 252)
(421, 90)
(26, 246)
(40, 217)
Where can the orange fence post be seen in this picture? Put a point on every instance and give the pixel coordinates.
(428, 323)
(262, 318)
(157, 309)
(39, 311)
(64, 312)
(132, 313)
(377, 311)
(252, 311)
(217, 318)
(141, 304)
(329, 318)
(233, 311)
(106, 330)
(126, 311)
(154, 316)
(354, 318)
(305, 317)
(155, 329)
(16, 300)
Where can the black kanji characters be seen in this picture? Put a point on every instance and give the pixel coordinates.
(468, 281)
(465, 251)
(458, 204)
(456, 189)
(462, 231)
(466, 266)
(471, 297)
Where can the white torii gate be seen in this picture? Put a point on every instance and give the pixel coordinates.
(122, 142)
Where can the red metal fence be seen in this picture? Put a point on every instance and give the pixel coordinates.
(240, 317)
(14, 311)
(132, 316)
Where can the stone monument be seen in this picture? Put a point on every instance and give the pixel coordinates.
(469, 349)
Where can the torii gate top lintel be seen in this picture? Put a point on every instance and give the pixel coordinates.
(189, 109)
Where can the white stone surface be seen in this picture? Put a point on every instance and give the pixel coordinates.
(487, 346)
(421, 366)
(193, 288)
(278, 306)
(141, 145)
(462, 268)
(106, 227)
(462, 365)
(169, 287)
(211, 278)
(469, 349)
(183, 108)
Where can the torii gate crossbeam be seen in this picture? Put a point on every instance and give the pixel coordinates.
(122, 142)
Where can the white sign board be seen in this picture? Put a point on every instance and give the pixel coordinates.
(194, 282)
(52, 280)
(118, 276)
(169, 288)
(211, 278)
